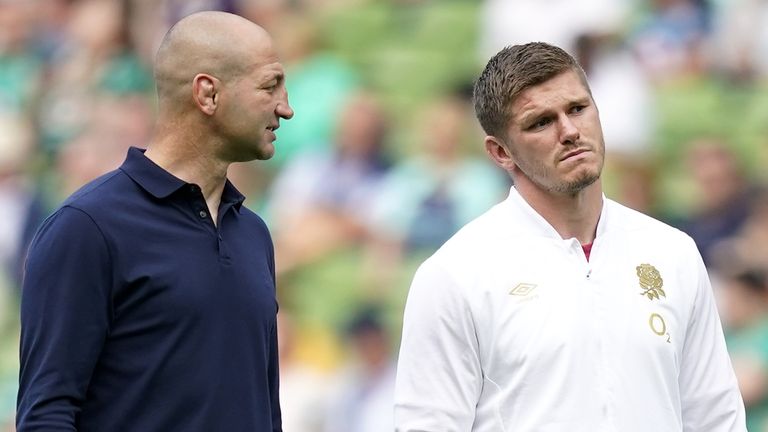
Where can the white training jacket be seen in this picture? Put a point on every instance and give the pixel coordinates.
(508, 328)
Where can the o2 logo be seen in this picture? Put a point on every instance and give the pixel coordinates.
(658, 326)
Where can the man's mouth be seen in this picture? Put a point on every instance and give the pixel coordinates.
(573, 153)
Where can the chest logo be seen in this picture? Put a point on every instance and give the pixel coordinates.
(650, 281)
(522, 289)
(658, 326)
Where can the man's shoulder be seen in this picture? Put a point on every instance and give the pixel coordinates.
(253, 218)
(477, 236)
(632, 222)
(81, 214)
(98, 193)
(87, 207)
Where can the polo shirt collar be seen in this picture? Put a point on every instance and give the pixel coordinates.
(232, 196)
(162, 184)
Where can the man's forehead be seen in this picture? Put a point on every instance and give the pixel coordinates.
(271, 69)
(560, 88)
(273, 65)
(524, 106)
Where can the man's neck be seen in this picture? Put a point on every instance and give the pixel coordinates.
(571, 216)
(193, 164)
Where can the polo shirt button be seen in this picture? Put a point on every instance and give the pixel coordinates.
(203, 214)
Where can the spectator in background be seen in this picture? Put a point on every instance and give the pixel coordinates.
(740, 40)
(23, 209)
(505, 22)
(52, 28)
(21, 70)
(723, 193)
(149, 301)
(116, 124)
(321, 200)
(670, 39)
(430, 194)
(21, 201)
(744, 299)
(439, 187)
(364, 389)
(96, 57)
(9, 353)
(753, 237)
(634, 183)
(304, 390)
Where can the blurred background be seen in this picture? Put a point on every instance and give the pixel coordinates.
(383, 160)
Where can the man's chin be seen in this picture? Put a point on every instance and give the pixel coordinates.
(265, 155)
(265, 151)
(578, 184)
(259, 152)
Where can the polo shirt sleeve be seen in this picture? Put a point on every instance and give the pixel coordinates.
(274, 373)
(65, 311)
(274, 359)
(439, 379)
(710, 397)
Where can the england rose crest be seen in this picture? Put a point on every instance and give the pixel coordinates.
(650, 281)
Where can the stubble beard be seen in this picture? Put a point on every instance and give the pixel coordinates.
(537, 174)
(574, 187)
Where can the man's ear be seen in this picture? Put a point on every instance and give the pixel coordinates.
(499, 153)
(205, 92)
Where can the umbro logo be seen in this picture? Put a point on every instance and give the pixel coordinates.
(522, 289)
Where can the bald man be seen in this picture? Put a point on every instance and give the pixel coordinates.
(148, 301)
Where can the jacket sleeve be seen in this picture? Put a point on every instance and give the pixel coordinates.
(65, 310)
(438, 375)
(709, 393)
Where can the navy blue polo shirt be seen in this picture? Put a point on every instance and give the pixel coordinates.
(139, 314)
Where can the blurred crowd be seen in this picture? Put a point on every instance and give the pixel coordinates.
(383, 160)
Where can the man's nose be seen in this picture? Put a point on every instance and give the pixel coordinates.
(283, 108)
(569, 132)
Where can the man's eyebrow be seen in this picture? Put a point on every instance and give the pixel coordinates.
(535, 112)
(274, 75)
(531, 114)
(582, 100)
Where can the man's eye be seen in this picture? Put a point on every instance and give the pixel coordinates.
(578, 108)
(540, 123)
